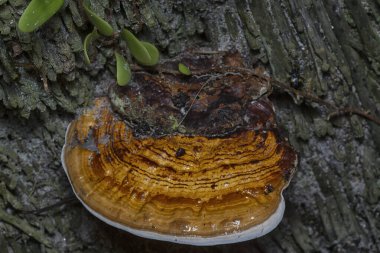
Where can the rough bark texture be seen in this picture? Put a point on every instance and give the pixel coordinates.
(332, 202)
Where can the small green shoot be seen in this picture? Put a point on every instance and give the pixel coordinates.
(183, 69)
(102, 25)
(123, 72)
(37, 13)
(153, 52)
(138, 50)
(144, 52)
(87, 42)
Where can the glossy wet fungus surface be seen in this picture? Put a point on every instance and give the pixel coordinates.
(172, 156)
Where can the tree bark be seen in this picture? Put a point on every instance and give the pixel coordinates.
(328, 48)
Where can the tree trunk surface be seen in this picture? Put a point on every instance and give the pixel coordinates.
(328, 48)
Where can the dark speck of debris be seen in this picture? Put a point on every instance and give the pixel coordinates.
(180, 152)
(296, 81)
(268, 189)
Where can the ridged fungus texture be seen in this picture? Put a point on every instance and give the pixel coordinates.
(168, 155)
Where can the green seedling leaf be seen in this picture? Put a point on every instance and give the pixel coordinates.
(182, 68)
(37, 13)
(123, 72)
(137, 48)
(102, 25)
(153, 52)
(87, 42)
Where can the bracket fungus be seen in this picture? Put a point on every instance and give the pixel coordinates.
(189, 159)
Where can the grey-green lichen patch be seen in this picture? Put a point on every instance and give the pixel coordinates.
(128, 10)
(159, 11)
(5, 13)
(8, 153)
(25, 227)
(357, 126)
(232, 26)
(339, 151)
(322, 127)
(340, 97)
(9, 197)
(73, 37)
(17, 3)
(75, 14)
(175, 126)
(302, 128)
(6, 63)
(7, 21)
(373, 87)
(325, 67)
(25, 191)
(270, 34)
(25, 97)
(371, 175)
(149, 17)
(300, 233)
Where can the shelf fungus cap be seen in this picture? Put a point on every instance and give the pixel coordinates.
(216, 178)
